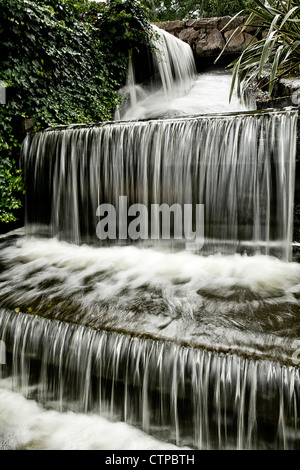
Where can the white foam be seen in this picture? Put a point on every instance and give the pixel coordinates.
(24, 424)
(134, 266)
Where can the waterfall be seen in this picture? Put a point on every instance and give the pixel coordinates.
(175, 63)
(154, 284)
(238, 167)
(174, 75)
(247, 305)
(201, 399)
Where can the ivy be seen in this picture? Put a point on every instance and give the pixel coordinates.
(62, 63)
(10, 183)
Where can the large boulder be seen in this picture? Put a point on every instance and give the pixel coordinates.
(226, 23)
(189, 35)
(172, 27)
(208, 36)
(211, 45)
(200, 23)
(238, 40)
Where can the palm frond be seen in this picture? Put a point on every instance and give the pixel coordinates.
(276, 53)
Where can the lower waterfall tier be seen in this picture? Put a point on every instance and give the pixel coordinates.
(241, 304)
(188, 396)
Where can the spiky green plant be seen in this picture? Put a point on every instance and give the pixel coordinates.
(275, 52)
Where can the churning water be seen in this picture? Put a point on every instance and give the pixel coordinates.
(27, 425)
(196, 347)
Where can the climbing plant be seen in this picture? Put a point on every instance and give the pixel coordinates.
(62, 61)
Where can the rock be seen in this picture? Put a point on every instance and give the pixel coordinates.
(255, 23)
(189, 35)
(249, 38)
(202, 33)
(207, 23)
(208, 36)
(212, 44)
(29, 124)
(239, 41)
(236, 40)
(224, 25)
(189, 23)
(173, 26)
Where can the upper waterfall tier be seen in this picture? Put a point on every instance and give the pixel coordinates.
(173, 75)
(174, 89)
(223, 182)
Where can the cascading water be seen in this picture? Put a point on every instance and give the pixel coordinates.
(175, 89)
(175, 73)
(193, 396)
(221, 164)
(190, 335)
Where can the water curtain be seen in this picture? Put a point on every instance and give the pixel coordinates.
(190, 333)
(199, 398)
(174, 73)
(239, 167)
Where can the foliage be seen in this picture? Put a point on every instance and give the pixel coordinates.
(10, 184)
(276, 53)
(55, 70)
(123, 26)
(169, 10)
(62, 62)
